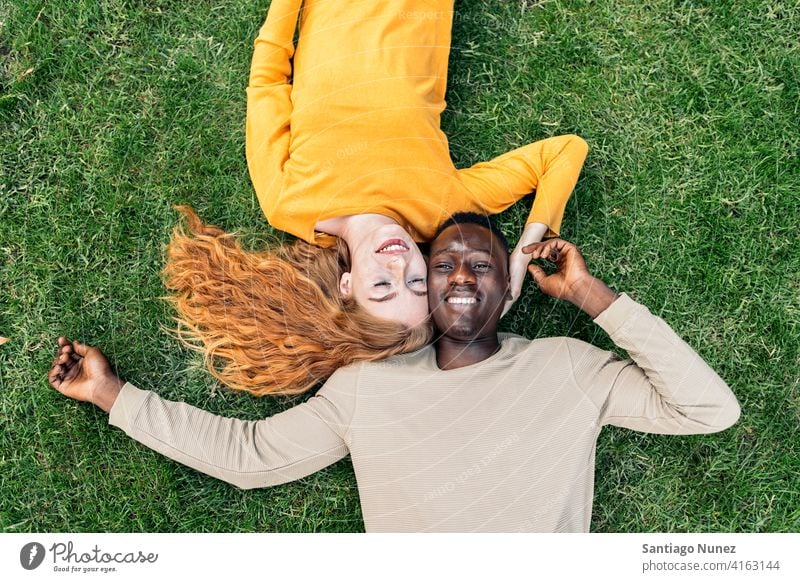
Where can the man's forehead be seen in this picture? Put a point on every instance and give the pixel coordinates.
(465, 236)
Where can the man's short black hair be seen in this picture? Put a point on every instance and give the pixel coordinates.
(474, 218)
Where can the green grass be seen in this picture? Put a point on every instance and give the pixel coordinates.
(112, 111)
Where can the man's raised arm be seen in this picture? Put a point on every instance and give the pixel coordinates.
(667, 388)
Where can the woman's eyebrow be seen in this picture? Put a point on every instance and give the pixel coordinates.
(388, 297)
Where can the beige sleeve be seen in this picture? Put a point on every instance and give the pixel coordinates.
(248, 454)
(667, 388)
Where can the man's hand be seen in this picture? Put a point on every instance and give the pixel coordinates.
(572, 280)
(83, 373)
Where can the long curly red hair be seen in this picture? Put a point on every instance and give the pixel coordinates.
(275, 317)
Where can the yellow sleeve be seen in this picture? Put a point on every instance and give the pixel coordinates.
(551, 167)
(269, 105)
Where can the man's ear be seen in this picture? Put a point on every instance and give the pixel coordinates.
(508, 296)
(345, 285)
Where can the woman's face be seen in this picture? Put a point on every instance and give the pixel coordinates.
(388, 276)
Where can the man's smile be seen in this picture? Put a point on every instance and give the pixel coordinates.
(461, 300)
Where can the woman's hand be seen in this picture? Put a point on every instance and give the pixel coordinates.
(519, 259)
(83, 373)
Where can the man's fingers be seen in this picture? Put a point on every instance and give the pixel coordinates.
(555, 250)
(63, 367)
(68, 374)
(65, 360)
(54, 377)
(63, 373)
(80, 349)
(543, 248)
(533, 247)
(63, 348)
(60, 347)
(537, 273)
(68, 349)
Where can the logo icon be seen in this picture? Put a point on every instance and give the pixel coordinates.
(31, 555)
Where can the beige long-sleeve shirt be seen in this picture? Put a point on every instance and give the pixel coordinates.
(507, 444)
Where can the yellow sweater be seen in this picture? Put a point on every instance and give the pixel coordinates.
(353, 126)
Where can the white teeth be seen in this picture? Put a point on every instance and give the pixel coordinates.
(461, 300)
(392, 248)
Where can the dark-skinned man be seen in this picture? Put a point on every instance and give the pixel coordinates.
(481, 432)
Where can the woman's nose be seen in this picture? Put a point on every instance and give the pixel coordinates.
(396, 266)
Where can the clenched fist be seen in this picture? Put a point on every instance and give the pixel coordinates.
(83, 373)
(571, 280)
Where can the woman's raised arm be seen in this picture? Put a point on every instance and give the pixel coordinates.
(551, 167)
(269, 105)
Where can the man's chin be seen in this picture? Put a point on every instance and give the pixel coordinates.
(465, 327)
(460, 330)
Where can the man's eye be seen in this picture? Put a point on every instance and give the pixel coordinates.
(443, 267)
(481, 267)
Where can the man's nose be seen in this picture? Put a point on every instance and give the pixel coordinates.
(462, 275)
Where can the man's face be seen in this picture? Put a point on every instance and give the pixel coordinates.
(468, 281)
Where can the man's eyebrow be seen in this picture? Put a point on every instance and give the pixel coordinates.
(388, 297)
(452, 250)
